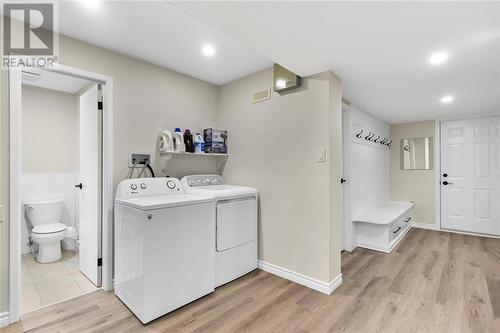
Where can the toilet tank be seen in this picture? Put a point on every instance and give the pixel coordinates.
(44, 211)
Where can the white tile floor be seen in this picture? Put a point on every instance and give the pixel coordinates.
(44, 284)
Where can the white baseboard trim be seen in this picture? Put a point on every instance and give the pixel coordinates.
(470, 233)
(4, 319)
(428, 226)
(323, 287)
(437, 228)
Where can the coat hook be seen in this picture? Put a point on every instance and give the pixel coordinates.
(359, 134)
(389, 144)
(368, 136)
(376, 140)
(383, 141)
(371, 137)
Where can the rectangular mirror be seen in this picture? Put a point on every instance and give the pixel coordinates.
(416, 154)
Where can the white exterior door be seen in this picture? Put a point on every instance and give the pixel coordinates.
(90, 186)
(470, 175)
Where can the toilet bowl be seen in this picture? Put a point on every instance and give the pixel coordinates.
(48, 231)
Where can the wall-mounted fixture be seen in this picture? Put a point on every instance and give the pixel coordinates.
(139, 158)
(416, 153)
(371, 138)
(284, 79)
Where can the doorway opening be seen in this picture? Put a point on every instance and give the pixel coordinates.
(61, 186)
(61, 229)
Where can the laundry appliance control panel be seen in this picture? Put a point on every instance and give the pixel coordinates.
(204, 180)
(141, 187)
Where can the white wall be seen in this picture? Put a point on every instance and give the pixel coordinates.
(50, 128)
(147, 99)
(273, 146)
(366, 167)
(414, 185)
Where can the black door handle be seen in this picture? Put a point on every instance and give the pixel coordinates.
(342, 180)
(447, 183)
(80, 186)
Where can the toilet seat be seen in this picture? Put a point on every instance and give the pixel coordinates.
(51, 228)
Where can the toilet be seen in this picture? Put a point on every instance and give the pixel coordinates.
(48, 231)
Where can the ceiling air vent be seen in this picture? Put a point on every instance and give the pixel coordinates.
(261, 95)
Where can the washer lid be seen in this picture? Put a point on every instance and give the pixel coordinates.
(163, 201)
(50, 228)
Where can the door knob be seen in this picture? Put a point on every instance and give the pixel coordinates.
(445, 175)
(447, 183)
(80, 186)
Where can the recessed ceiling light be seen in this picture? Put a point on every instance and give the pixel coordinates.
(447, 99)
(208, 50)
(90, 3)
(438, 58)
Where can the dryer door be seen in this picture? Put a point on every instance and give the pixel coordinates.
(236, 222)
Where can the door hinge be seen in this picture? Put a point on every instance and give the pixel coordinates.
(99, 262)
(99, 97)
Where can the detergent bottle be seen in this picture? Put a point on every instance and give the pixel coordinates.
(179, 145)
(199, 144)
(188, 141)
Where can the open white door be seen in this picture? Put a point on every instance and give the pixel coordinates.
(90, 186)
(470, 175)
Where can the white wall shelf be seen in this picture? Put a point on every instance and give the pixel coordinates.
(171, 154)
(220, 162)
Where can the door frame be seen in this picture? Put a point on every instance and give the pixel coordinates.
(15, 206)
(437, 167)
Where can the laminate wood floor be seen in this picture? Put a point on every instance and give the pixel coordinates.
(433, 282)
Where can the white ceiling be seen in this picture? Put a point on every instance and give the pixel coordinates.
(379, 49)
(53, 81)
(159, 33)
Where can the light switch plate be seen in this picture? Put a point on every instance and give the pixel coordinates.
(321, 155)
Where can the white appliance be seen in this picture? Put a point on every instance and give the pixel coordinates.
(164, 244)
(48, 231)
(236, 224)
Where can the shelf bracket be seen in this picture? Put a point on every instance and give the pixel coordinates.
(221, 165)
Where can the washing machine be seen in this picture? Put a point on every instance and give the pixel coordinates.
(164, 244)
(235, 214)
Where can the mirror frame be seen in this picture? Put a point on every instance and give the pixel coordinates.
(431, 153)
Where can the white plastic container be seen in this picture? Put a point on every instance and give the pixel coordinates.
(179, 145)
(165, 142)
(199, 144)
